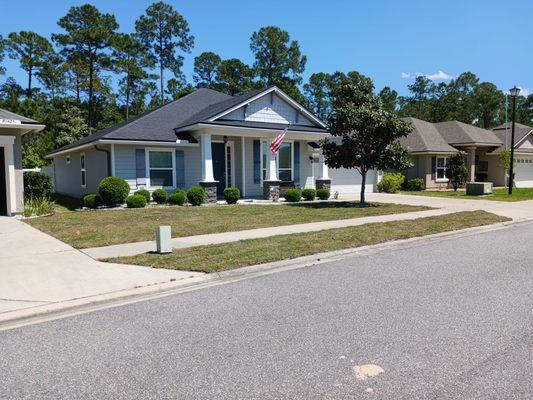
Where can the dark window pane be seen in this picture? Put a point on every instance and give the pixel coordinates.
(161, 177)
(285, 156)
(285, 175)
(160, 159)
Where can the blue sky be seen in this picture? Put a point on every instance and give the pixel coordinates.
(390, 41)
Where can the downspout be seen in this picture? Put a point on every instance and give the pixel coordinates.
(108, 154)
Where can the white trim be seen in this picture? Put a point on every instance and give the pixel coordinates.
(243, 160)
(112, 159)
(24, 128)
(7, 140)
(6, 144)
(231, 145)
(523, 139)
(83, 170)
(263, 93)
(437, 179)
(266, 132)
(147, 151)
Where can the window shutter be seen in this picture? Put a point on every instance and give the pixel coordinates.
(296, 173)
(433, 167)
(140, 167)
(180, 169)
(257, 161)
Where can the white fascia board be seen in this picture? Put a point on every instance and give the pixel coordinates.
(282, 94)
(256, 132)
(523, 139)
(24, 128)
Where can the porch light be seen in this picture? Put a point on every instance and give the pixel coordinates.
(515, 91)
(225, 138)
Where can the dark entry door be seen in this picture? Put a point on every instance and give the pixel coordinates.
(3, 188)
(219, 166)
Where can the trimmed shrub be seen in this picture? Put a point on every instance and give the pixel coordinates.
(37, 185)
(113, 190)
(309, 194)
(160, 196)
(323, 194)
(179, 197)
(391, 182)
(232, 195)
(196, 195)
(145, 193)
(414, 184)
(136, 201)
(92, 200)
(293, 195)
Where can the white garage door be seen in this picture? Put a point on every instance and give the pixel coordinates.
(523, 171)
(348, 181)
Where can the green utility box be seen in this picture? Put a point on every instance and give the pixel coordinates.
(478, 188)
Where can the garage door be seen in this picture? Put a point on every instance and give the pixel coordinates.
(523, 172)
(348, 181)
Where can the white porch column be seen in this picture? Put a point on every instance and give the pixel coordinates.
(272, 171)
(7, 143)
(323, 171)
(471, 164)
(207, 158)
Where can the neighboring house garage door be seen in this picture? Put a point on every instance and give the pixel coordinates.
(523, 171)
(347, 181)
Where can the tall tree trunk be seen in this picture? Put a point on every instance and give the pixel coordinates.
(30, 73)
(161, 64)
(362, 200)
(161, 80)
(127, 98)
(90, 111)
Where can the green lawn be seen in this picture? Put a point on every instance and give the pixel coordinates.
(83, 229)
(256, 251)
(519, 194)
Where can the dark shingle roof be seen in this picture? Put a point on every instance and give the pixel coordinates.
(4, 114)
(521, 131)
(425, 138)
(458, 133)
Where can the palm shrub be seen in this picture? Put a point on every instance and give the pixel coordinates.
(196, 195)
(145, 193)
(179, 197)
(323, 194)
(293, 195)
(160, 196)
(37, 185)
(136, 201)
(391, 182)
(92, 200)
(456, 170)
(232, 194)
(38, 206)
(309, 194)
(113, 190)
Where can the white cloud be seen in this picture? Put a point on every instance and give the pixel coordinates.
(439, 75)
(524, 91)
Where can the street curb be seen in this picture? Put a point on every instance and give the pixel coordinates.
(58, 310)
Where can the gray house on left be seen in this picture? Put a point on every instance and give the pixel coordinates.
(12, 127)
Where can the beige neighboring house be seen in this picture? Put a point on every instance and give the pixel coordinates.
(12, 127)
(431, 144)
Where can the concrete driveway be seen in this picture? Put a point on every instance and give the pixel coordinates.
(37, 269)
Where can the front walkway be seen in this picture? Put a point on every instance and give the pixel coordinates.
(37, 269)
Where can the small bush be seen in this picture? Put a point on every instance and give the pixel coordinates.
(113, 190)
(391, 182)
(136, 201)
(414, 185)
(309, 194)
(38, 206)
(196, 195)
(293, 195)
(179, 197)
(323, 194)
(160, 196)
(37, 185)
(92, 200)
(232, 195)
(145, 193)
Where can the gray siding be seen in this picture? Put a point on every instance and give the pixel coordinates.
(125, 166)
(19, 179)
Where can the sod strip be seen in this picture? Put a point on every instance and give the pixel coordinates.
(257, 251)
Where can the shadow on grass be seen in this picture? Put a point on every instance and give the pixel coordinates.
(66, 202)
(332, 204)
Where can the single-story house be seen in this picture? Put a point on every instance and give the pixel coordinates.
(432, 143)
(12, 127)
(207, 138)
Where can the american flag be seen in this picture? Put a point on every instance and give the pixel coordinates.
(276, 143)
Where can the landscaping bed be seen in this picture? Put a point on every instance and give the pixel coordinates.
(256, 251)
(500, 194)
(83, 229)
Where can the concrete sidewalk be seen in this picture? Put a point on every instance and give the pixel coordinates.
(38, 269)
(130, 249)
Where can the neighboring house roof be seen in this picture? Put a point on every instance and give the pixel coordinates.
(171, 121)
(4, 114)
(458, 133)
(521, 131)
(425, 138)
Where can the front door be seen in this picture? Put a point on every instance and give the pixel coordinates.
(3, 188)
(219, 165)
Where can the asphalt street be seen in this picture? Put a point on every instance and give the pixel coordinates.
(447, 320)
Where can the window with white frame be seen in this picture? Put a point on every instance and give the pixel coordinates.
(161, 168)
(83, 170)
(284, 161)
(440, 168)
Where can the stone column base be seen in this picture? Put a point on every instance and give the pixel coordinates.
(323, 184)
(210, 191)
(271, 190)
